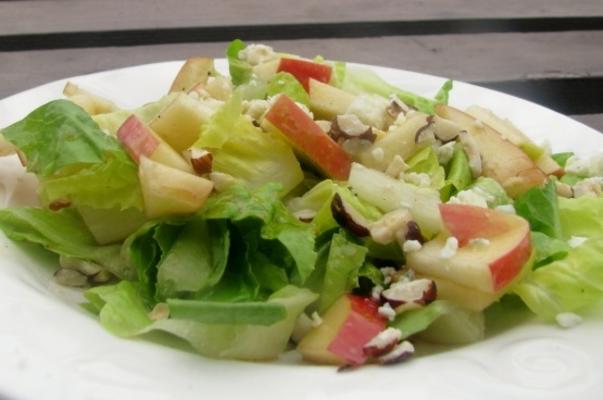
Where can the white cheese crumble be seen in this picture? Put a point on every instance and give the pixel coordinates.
(385, 338)
(588, 187)
(450, 248)
(388, 274)
(255, 108)
(398, 352)
(576, 241)
(411, 245)
(256, 54)
(577, 166)
(568, 320)
(316, 320)
(479, 242)
(506, 208)
(324, 125)
(351, 124)
(472, 197)
(445, 152)
(378, 154)
(386, 311)
(370, 109)
(376, 292)
(419, 179)
(396, 166)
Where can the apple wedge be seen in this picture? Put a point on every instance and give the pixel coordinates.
(308, 139)
(349, 324)
(90, 102)
(510, 132)
(194, 71)
(501, 160)
(463, 296)
(140, 141)
(303, 70)
(170, 191)
(489, 267)
(327, 101)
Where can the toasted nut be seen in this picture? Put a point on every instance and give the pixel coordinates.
(445, 130)
(349, 126)
(201, 160)
(382, 343)
(57, 204)
(564, 190)
(404, 295)
(425, 133)
(400, 353)
(87, 268)
(391, 226)
(347, 217)
(305, 215)
(70, 277)
(159, 312)
(103, 276)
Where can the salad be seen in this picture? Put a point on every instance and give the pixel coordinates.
(305, 204)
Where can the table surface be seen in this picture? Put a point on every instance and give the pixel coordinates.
(548, 51)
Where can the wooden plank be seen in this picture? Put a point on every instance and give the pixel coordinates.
(19, 17)
(482, 58)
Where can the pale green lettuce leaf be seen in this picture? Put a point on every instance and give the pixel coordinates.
(240, 71)
(540, 207)
(285, 83)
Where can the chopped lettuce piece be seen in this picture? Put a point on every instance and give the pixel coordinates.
(414, 321)
(214, 312)
(561, 158)
(74, 159)
(459, 175)
(285, 83)
(494, 193)
(540, 207)
(240, 71)
(547, 249)
(246, 152)
(426, 161)
(62, 232)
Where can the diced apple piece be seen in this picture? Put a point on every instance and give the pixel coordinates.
(179, 123)
(194, 71)
(92, 103)
(266, 70)
(510, 132)
(169, 191)
(463, 296)
(308, 139)
(139, 141)
(502, 160)
(349, 324)
(327, 101)
(489, 268)
(303, 70)
(111, 225)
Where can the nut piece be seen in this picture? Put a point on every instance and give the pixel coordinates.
(159, 312)
(382, 343)
(347, 217)
(425, 134)
(445, 130)
(201, 160)
(348, 126)
(305, 215)
(404, 295)
(395, 225)
(400, 353)
(57, 204)
(70, 277)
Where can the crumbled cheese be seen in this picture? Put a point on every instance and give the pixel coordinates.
(385, 338)
(506, 208)
(568, 320)
(420, 179)
(388, 274)
(255, 108)
(386, 311)
(577, 166)
(396, 166)
(370, 109)
(576, 241)
(351, 124)
(450, 248)
(399, 353)
(316, 320)
(479, 242)
(376, 292)
(325, 126)
(473, 197)
(256, 54)
(411, 245)
(445, 152)
(588, 187)
(378, 154)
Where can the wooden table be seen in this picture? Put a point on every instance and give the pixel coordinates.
(548, 51)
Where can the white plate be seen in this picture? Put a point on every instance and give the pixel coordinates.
(51, 349)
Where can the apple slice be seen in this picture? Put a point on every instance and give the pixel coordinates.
(463, 296)
(194, 71)
(501, 160)
(267, 69)
(349, 324)
(139, 141)
(489, 268)
(303, 70)
(308, 139)
(327, 101)
(90, 102)
(170, 191)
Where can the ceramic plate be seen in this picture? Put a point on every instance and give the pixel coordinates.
(52, 349)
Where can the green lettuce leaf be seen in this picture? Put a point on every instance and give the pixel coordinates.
(214, 312)
(561, 158)
(285, 83)
(426, 161)
(240, 71)
(246, 152)
(75, 159)
(540, 207)
(495, 194)
(414, 321)
(459, 175)
(547, 249)
(62, 232)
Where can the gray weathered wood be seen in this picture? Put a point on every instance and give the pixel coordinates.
(66, 15)
(485, 57)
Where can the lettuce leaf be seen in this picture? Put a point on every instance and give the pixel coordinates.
(285, 83)
(426, 161)
(540, 207)
(75, 159)
(240, 71)
(459, 175)
(547, 249)
(62, 232)
(123, 313)
(214, 312)
(246, 152)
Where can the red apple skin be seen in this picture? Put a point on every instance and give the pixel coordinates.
(506, 268)
(303, 70)
(137, 138)
(466, 222)
(363, 324)
(308, 139)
